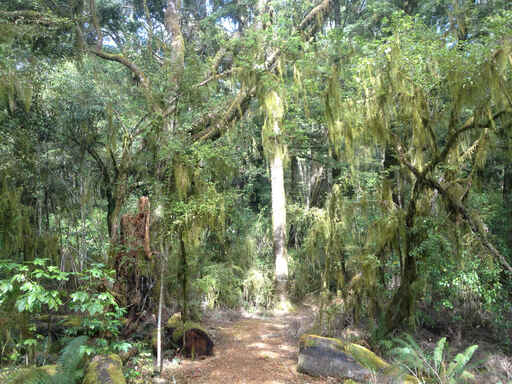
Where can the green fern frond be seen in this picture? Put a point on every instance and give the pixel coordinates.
(68, 370)
(438, 353)
(70, 361)
(410, 351)
(456, 368)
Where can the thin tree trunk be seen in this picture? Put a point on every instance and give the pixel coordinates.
(83, 217)
(507, 197)
(184, 278)
(163, 258)
(279, 223)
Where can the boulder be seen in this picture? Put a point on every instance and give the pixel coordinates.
(323, 356)
(105, 370)
(26, 375)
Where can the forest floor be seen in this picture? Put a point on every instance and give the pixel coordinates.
(249, 350)
(263, 349)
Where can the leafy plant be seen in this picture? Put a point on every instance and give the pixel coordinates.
(435, 367)
(36, 288)
(69, 368)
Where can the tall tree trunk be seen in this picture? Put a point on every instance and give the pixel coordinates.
(507, 194)
(402, 307)
(164, 251)
(275, 152)
(337, 13)
(183, 278)
(117, 202)
(279, 222)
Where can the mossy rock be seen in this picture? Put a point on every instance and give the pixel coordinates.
(25, 375)
(324, 356)
(105, 370)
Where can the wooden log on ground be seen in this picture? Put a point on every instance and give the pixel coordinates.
(105, 370)
(323, 356)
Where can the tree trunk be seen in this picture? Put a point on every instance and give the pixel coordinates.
(402, 306)
(507, 197)
(279, 223)
(183, 278)
(115, 215)
(337, 13)
(163, 258)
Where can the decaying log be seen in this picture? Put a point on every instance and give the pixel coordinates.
(105, 370)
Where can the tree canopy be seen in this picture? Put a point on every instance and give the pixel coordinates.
(356, 150)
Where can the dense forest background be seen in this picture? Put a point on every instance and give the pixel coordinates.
(357, 152)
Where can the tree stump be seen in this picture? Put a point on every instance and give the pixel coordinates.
(132, 263)
(189, 336)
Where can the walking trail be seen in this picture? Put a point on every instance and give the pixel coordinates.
(249, 351)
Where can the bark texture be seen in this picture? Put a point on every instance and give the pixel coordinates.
(132, 285)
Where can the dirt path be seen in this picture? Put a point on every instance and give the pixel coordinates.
(249, 351)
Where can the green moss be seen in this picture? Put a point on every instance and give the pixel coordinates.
(362, 355)
(311, 340)
(175, 321)
(50, 369)
(365, 357)
(177, 335)
(105, 369)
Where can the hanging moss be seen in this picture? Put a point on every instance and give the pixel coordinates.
(17, 238)
(272, 131)
(182, 179)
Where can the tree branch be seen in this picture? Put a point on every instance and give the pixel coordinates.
(33, 17)
(215, 122)
(123, 60)
(96, 24)
(455, 205)
(452, 139)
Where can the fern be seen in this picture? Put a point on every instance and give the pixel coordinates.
(412, 359)
(456, 368)
(69, 367)
(438, 353)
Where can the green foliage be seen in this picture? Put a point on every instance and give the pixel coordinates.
(435, 367)
(366, 91)
(69, 368)
(221, 286)
(33, 288)
(258, 288)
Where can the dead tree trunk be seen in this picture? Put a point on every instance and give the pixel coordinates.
(133, 281)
